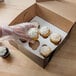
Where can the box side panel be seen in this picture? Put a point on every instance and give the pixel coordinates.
(54, 18)
(32, 56)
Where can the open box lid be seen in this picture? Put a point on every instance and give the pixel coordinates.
(64, 8)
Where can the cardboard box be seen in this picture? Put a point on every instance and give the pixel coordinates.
(52, 12)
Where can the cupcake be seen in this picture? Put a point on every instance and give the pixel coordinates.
(33, 33)
(45, 51)
(55, 38)
(45, 31)
(4, 52)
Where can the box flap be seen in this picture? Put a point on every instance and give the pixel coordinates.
(71, 1)
(62, 8)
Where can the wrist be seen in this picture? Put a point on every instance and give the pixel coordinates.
(6, 30)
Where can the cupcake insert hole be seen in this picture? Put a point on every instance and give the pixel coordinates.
(34, 45)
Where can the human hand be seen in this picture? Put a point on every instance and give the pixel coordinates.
(19, 30)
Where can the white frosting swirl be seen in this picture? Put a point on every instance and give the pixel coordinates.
(44, 30)
(55, 37)
(2, 51)
(45, 50)
(33, 32)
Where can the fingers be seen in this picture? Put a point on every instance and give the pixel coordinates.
(29, 26)
(22, 35)
(21, 30)
(32, 26)
(26, 38)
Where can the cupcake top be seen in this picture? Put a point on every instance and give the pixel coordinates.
(33, 32)
(44, 30)
(55, 37)
(45, 50)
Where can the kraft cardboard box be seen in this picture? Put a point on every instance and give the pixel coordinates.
(54, 14)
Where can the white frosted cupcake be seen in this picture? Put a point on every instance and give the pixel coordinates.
(45, 51)
(33, 33)
(4, 52)
(55, 38)
(45, 31)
